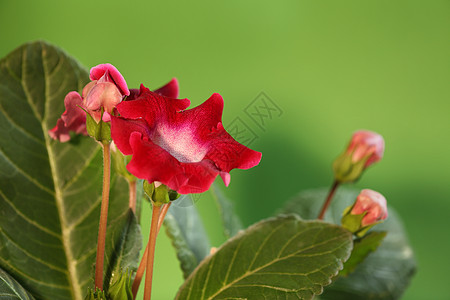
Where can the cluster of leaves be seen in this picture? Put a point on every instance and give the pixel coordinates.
(50, 201)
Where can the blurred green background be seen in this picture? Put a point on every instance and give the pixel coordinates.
(332, 67)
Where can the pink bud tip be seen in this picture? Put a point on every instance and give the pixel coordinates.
(366, 143)
(109, 73)
(373, 203)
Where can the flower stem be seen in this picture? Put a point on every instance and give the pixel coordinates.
(132, 194)
(103, 216)
(328, 200)
(143, 263)
(151, 252)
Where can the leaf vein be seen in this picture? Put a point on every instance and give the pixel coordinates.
(24, 174)
(37, 225)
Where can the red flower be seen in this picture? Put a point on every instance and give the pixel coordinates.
(183, 149)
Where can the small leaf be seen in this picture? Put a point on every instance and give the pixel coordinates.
(11, 289)
(231, 222)
(362, 247)
(278, 258)
(185, 228)
(385, 273)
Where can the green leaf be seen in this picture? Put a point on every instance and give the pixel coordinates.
(188, 235)
(11, 289)
(231, 222)
(362, 247)
(123, 256)
(50, 192)
(278, 258)
(385, 273)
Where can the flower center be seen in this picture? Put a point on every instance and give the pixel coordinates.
(180, 143)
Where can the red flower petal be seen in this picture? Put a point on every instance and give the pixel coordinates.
(170, 89)
(73, 119)
(185, 150)
(60, 132)
(153, 163)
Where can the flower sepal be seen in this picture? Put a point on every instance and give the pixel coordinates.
(100, 131)
(353, 222)
(120, 288)
(345, 170)
(95, 295)
(159, 193)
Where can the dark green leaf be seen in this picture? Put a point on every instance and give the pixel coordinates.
(185, 228)
(278, 258)
(385, 273)
(50, 192)
(361, 248)
(123, 256)
(10, 289)
(230, 220)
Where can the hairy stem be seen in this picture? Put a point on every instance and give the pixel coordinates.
(328, 200)
(132, 194)
(143, 263)
(103, 216)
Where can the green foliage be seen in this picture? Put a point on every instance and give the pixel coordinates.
(120, 288)
(385, 273)
(100, 131)
(95, 295)
(11, 289)
(278, 258)
(185, 228)
(231, 222)
(50, 192)
(362, 247)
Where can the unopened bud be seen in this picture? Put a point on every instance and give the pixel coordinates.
(365, 148)
(368, 210)
(120, 288)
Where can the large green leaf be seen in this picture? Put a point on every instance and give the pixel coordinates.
(231, 222)
(278, 258)
(188, 235)
(50, 192)
(385, 273)
(10, 289)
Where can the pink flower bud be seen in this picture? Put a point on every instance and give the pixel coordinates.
(365, 148)
(109, 73)
(104, 95)
(366, 144)
(374, 204)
